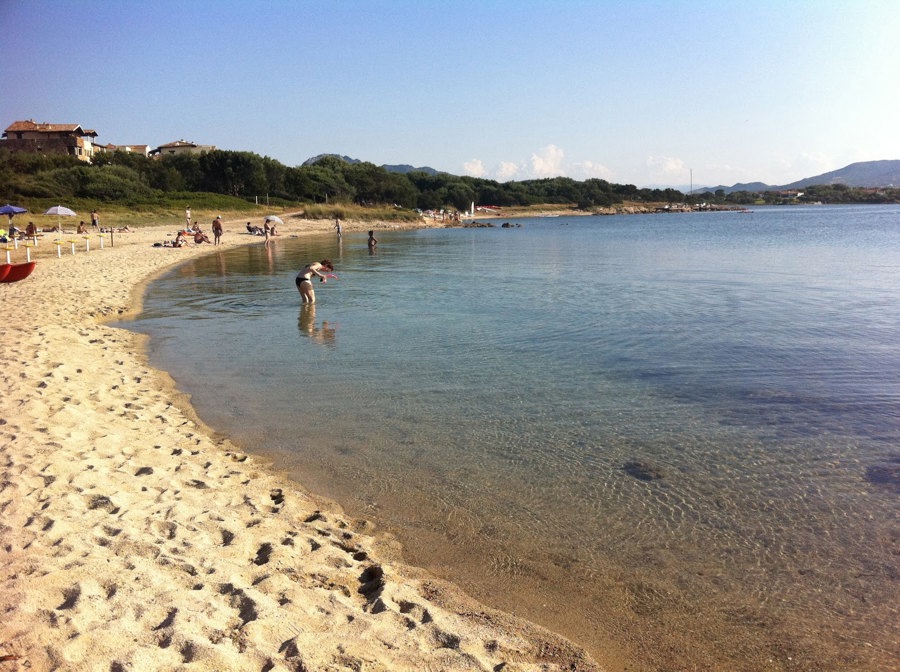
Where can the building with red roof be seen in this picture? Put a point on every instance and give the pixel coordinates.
(44, 138)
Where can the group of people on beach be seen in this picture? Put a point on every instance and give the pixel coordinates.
(32, 231)
(194, 231)
(199, 235)
(304, 281)
(14, 232)
(95, 224)
(268, 229)
(83, 229)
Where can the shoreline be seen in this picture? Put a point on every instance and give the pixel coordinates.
(137, 538)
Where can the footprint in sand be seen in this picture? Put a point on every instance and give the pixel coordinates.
(263, 554)
(168, 621)
(277, 497)
(70, 597)
(102, 502)
(164, 529)
(238, 599)
(416, 613)
(371, 582)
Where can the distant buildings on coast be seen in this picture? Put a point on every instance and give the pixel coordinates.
(75, 140)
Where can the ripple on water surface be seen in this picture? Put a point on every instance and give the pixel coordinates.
(676, 434)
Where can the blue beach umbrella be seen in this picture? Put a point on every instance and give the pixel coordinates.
(11, 210)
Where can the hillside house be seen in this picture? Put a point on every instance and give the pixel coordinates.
(44, 138)
(143, 150)
(181, 147)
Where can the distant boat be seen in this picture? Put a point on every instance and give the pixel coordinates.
(16, 272)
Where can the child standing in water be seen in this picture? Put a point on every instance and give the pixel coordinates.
(372, 240)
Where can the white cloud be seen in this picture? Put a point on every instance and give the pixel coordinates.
(507, 171)
(474, 168)
(661, 167)
(586, 170)
(547, 162)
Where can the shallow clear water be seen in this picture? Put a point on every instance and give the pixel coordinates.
(673, 438)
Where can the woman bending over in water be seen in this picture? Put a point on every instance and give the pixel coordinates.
(304, 279)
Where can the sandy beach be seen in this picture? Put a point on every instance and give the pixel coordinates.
(134, 538)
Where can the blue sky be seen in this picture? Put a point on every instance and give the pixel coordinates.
(652, 93)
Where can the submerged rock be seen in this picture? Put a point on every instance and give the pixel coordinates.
(642, 471)
(885, 475)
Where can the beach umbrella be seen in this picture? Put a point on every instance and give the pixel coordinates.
(11, 210)
(60, 211)
(273, 218)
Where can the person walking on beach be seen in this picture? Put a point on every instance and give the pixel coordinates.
(305, 276)
(187, 217)
(217, 228)
(95, 220)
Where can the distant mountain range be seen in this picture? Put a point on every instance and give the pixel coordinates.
(401, 168)
(861, 174)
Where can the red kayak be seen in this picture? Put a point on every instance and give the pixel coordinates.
(16, 272)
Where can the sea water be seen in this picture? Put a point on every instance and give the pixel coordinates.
(673, 438)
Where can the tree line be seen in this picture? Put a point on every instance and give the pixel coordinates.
(133, 179)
